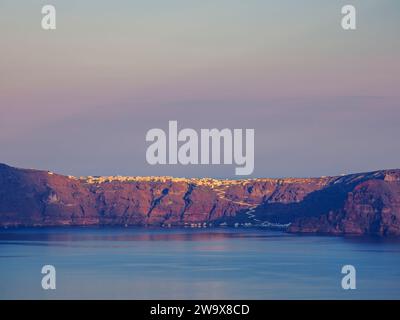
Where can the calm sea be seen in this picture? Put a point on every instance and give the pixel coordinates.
(135, 263)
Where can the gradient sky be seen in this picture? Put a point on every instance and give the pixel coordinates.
(79, 100)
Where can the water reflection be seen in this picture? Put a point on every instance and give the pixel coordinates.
(112, 234)
(135, 263)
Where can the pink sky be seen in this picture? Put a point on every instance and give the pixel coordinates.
(80, 99)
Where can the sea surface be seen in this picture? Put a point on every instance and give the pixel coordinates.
(139, 263)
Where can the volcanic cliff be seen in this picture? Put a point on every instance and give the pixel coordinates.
(365, 203)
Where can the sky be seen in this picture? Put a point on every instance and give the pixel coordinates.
(80, 99)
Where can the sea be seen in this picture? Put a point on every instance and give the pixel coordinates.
(180, 263)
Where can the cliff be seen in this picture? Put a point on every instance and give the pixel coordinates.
(367, 203)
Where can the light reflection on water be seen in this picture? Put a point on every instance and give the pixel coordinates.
(135, 263)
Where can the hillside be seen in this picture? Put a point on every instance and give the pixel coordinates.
(366, 203)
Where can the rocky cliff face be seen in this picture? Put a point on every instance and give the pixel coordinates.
(352, 204)
(369, 204)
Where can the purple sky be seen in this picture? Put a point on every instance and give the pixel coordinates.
(79, 100)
